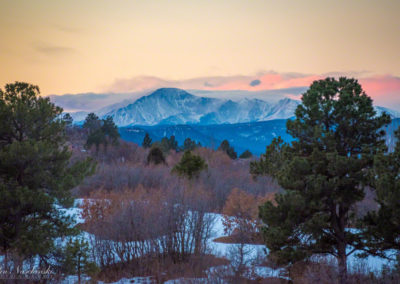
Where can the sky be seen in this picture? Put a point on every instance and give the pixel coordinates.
(78, 46)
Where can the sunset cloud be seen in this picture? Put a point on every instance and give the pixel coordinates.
(385, 90)
(53, 50)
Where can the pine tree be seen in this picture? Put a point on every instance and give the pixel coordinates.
(226, 147)
(246, 155)
(190, 145)
(101, 131)
(324, 171)
(68, 119)
(92, 123)
(155, 156)
(96, 138)
(146, 141)
(95, 135)
(173, 144)
(190, 166)
(35, 172)
(168, 144)
(382, 227)
(76, 259)
(110, 131)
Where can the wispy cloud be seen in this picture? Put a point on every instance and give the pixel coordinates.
(53, 50)
(259, 82)
(385, 90)
(68, 29)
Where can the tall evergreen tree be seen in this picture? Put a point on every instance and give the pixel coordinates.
(168, 144)
(172, 143)
(228, 149)
(110, 131)
(382, 227)
(190, 145)
(35, 172)
(92, 123)
(324, 171)
(68, 119)
(146, 141)
(100, 131)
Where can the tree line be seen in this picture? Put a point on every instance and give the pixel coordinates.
(166, 144)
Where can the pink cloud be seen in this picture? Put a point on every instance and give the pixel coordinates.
(269, 81)
(381, 85)
(385, 90)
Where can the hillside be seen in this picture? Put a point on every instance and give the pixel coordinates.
(253, 136)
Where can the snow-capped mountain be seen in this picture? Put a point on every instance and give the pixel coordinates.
(170, 106)
(391, 112)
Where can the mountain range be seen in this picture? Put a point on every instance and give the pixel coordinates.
(170, 106)
(247, 123)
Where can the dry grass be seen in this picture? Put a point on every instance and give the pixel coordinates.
(255, 239)
(161, 270)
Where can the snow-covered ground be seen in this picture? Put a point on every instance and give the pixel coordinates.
(252, 258)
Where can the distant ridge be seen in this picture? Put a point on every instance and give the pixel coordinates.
(253, 136)
(171, 106)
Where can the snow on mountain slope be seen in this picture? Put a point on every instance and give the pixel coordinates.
(171, 106)
(174, 106)
(392, 113)
(164, 106)
(285, 108)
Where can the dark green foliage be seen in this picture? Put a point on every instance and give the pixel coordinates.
(273, 160)
(224, 146)
(382, 227)
(323, 171)
(95, 138)
(168, 144)
(35, 172)
(246, 155)
(230, 151)
(282, 236)
(155, 156)
(110, 131)
(190, 166)
(92, 123)
(103, 131)
(67, 118)
(76, 259)
(190, 145)
(146, 141)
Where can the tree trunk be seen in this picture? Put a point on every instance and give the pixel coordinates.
(79, 270)
(342, 262)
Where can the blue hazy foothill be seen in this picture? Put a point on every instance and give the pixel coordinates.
(242, 136)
